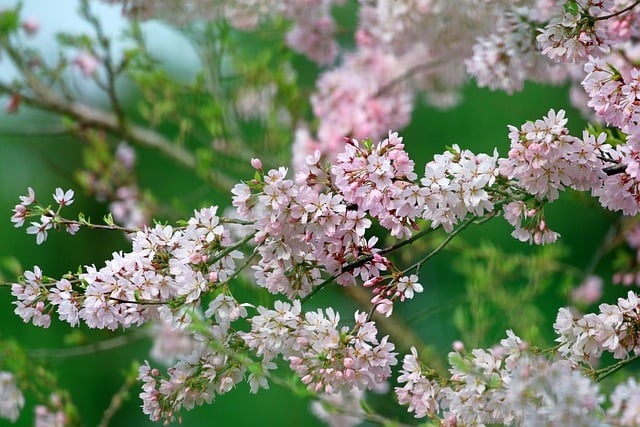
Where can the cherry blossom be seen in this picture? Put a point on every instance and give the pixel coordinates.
(87, 63)
(504, 385)
(611, 330)
(63, 198)
(11, 398)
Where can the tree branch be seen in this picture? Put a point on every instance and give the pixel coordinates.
(47, 99)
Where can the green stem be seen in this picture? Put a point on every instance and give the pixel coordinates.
(97, 226)
(119, 397)
(109, 344)
(445, 242)
(603, 373)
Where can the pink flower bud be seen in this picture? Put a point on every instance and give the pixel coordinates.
(87, 63)
(537, 238)
(371, 282)
(458, 346)
(30, 26)
(256, 163)
(617, 278)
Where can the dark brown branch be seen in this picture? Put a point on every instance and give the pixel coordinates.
(620, 12)
(615, 169)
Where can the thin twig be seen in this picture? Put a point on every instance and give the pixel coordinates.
(362, 261)
(110, 344)
(603, 373)
(620, 12)
(47, 99)
(444, 243)
(118, 398)
(419, 68)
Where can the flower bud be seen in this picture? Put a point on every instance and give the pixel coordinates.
(256, 164)
(30, 26)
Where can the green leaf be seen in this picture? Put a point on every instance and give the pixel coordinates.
(9, 22)
(572, 7)
(457, 361)
(108, 219)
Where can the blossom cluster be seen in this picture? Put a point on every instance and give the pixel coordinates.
(358, 99)
(328, 359)
(11, 398)
(508, 385)
(574, 34)
(508, 56)
(316, 224)
(322, 207)
(52, 414)
(196, 377)
(316, 228)
(165, 264)
(545, 159)
(49, 219)
(312, 34)
(613, 330)
(110, 177)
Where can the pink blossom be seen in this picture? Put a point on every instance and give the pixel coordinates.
(30, 26)
(20, 214)
(256, 164)
(11, 398)
(589, 291)
(63, 198)
(86, 63)
(29, 198)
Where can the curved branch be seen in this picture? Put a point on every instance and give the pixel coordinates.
(47, 99)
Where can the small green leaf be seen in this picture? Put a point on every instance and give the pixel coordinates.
(572, 7)
(108, 219)
(9, 22)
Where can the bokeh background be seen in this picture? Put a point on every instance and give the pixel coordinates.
(33, 154)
